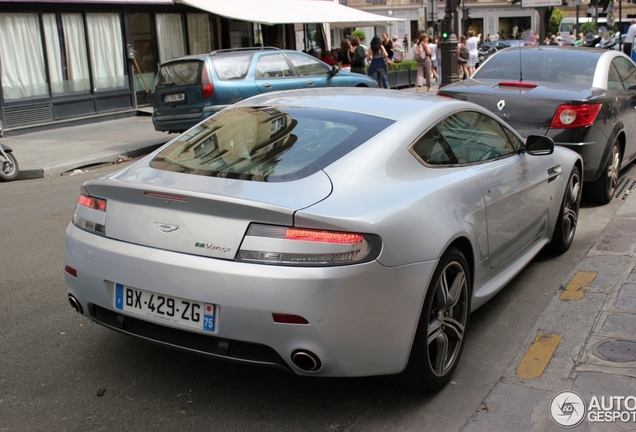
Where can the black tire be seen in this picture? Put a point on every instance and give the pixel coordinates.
(603, 189)
(8, 167)
(568, 215)
(443, 324)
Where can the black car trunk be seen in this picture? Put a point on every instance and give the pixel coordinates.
(530, 109)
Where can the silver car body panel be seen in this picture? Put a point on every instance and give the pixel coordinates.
(362, 317)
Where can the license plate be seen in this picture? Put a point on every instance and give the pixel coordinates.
(174, 97)
(175, 310)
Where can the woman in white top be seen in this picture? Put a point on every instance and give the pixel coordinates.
(471, 45)
(434, 64)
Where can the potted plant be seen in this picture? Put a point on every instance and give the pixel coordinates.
(402, 74)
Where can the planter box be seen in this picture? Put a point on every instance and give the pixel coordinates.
(403, 78)
(413, 77)
(392, 78)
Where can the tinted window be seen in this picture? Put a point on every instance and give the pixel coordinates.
(181, 73)
(307, 65)
(627, 72)
(229, 66)
(272, 66)
(464, 138)
(268, 143)
(542, 64)
(614, 81)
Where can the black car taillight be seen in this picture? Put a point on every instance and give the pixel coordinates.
(575, 116)
(207, 88)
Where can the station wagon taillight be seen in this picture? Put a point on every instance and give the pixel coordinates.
(207, 88)
(575, 116)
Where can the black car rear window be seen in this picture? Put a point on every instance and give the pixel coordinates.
(542, 64)
(230, 66)
(179, 73)
(268, 144)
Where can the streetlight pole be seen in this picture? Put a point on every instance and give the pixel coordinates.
(448, 46)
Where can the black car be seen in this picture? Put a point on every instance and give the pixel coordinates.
(583, 98)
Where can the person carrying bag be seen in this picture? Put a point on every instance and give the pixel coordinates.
(422, 55)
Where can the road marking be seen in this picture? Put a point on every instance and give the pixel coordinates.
(538, 356)
(578, 284)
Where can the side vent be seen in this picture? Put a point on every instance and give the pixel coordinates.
(21, 116)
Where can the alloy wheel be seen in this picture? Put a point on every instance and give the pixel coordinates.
(613, 169)
(571, 205)
(448, 316)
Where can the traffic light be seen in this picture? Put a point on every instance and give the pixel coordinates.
(446, 28)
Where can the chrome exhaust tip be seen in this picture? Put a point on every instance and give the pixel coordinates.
(306, 360)
(75, 304)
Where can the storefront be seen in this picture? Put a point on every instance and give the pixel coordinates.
(68, 61)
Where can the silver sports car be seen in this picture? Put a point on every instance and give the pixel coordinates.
(327, 232)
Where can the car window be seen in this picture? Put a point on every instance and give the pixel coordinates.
(231, 66)
(179, 73)
(307, 65)
(627, 72)
(614, 81)
(545, 64)
(268, 144)
(433, 149)
(272, 66)
(502, 45)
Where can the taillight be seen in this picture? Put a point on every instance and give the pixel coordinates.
(268, 244)
(90, 214)
(207, 88)
(575, 116)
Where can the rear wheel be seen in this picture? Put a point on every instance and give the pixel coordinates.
(439, 339)
(569, 214)
(603, 189)
(8, 167)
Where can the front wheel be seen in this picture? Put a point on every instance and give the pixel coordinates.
(439, 339)
(8, 167)
(603, 189)
(568, 215)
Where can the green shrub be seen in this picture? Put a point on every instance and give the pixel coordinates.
(359, 33)
(403, 65)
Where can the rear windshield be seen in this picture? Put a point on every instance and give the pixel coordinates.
(551, 65)
(268, 144)
(230, 66)
(180, 73)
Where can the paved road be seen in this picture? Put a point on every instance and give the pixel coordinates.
(55, 363)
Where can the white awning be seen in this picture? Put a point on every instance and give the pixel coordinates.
(291, 12)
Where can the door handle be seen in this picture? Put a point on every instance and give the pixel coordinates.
(310, 83)
(266, 85)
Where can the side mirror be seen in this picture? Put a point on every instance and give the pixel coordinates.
(539, 145)
(333, 72)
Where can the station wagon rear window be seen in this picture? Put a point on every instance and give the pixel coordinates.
(179, 73)
(268, 144)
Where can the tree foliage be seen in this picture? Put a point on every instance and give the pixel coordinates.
(555, 21)
(359, 33)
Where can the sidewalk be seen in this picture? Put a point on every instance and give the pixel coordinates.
(53, 152)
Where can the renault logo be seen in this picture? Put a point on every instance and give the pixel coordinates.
(501, 104)
(166, 228)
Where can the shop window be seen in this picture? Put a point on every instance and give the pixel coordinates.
(199, 33)
(22, 57)
(170, 36)
(107, 51)
(66, 53)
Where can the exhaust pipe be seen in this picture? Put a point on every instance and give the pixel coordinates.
(306, 360)
(75, 304)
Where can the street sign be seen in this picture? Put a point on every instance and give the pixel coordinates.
(610, 19)
(421, 19)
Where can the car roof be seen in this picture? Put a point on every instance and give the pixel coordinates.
(230, 52)
(389, 104)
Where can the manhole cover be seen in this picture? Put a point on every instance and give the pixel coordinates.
(617, 350)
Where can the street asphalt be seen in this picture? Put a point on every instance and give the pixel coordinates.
(584, 342)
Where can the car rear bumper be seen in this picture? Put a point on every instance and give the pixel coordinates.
(362, 318)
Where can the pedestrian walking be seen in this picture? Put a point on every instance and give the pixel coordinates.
(422, 54)
(378, 57)
(462, 62)
(358, 56)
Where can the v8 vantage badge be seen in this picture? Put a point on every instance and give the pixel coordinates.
(567, 409)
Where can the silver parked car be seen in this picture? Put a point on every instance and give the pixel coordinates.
(329, 232)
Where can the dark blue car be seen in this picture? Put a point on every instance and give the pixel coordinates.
(190, 89)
